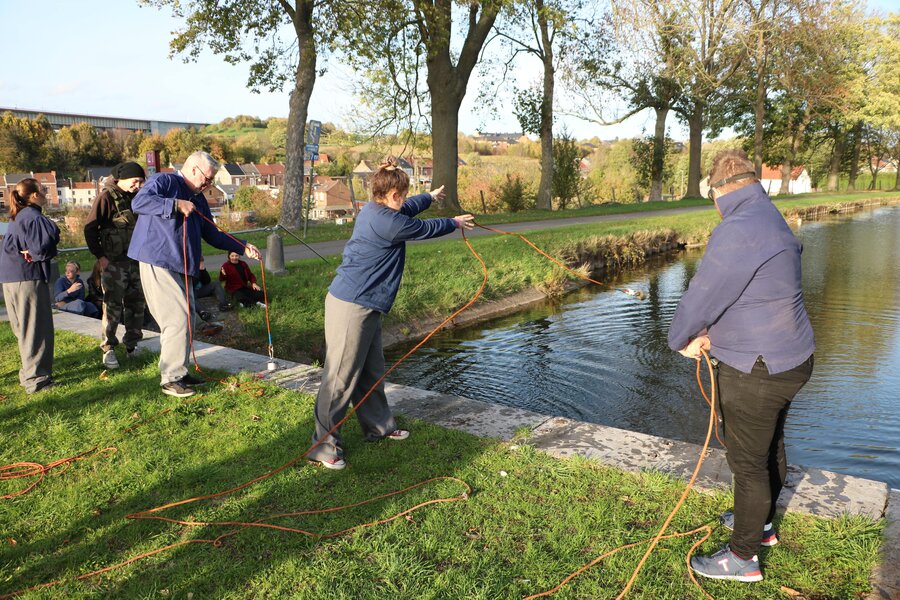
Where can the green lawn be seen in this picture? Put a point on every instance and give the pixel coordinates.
(516, 535)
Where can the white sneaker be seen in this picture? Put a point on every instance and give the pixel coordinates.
(261, 304)
(109, 360)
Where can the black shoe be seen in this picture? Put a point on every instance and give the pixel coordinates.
(225, 307)
(191, 381)
(205, 316)
(177, 389)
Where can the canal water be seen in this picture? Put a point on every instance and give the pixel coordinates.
(601, 356)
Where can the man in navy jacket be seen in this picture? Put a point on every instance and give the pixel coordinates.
(165, 207)
(745, 306)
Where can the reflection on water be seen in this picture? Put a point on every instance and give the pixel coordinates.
(602, 357)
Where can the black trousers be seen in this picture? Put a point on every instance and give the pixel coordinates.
(248, 296)
(754, 408)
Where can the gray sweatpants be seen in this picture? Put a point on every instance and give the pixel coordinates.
(31, 318)
(354, 361)
(164, 293)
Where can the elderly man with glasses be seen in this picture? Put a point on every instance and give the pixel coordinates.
(165, 207)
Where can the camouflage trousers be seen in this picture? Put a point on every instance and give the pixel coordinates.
(123, 303)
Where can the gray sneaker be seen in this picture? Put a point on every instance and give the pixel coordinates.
(109, 360)
(725, 564)
(177, 389)
(769, 536)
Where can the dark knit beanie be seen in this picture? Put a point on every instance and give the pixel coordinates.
(127, 170)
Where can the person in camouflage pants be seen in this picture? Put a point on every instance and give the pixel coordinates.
(108, 232)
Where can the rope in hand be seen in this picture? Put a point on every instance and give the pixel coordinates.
(661, 535)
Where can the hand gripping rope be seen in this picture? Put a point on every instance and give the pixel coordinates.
(238, 526)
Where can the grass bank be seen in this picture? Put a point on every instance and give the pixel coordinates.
(442, 276)
(518, 534)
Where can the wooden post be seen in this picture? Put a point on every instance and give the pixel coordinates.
(483, 206)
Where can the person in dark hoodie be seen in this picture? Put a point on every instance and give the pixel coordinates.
(108, 232)
(28, 246)
(361, 293)
(745, 306)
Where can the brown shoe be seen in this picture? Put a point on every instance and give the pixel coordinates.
(209, 329)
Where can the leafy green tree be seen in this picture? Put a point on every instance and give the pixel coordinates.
(251, 31)
(25, 144)
(512, 193)
(414, 35)
(566, 174)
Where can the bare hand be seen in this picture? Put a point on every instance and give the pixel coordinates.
(104, 262)
(438, 194)
(74, 287)
(465, 222)
(252, 251)
(693, 349)
(255, 287)
(186, 207)
(26, 255)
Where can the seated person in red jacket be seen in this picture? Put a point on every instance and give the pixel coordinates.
(240, 281)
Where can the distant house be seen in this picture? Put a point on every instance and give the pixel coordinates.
(498, 139)
(771, 180)
(229, 174)
(47, 181)
(252, 174)
(84, 192)
(271, 175)
(331, 199)
(323, 159)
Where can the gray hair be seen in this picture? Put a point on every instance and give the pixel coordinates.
(202, 159)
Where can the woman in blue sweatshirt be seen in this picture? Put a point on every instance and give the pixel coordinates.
(362, 292)
(28, 246)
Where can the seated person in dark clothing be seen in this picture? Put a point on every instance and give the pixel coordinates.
(69, 293)
(95, 287)
(205, 287)
(240, 281)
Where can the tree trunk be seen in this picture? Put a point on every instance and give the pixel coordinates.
(854, 157)
(759, 108)
(897, 162)
(444, 146)
(837, 153)
(659, 155)
(695, 126)
(544, 195)
(447, 83)
(292, 198)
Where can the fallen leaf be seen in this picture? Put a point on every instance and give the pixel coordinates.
(104, 375)
(256, 418)
(136, 416)
(11, 541)
(210, 410)
(791, 592)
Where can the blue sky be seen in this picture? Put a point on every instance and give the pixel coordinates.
(111, 58)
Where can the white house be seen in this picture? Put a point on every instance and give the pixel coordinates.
(771, 180)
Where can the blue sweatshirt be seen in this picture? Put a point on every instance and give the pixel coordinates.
(747, 290)
(31, 231)
(61, 290)
(376, 252)
(157, 237)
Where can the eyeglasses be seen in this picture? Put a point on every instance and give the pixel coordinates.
(206, 179)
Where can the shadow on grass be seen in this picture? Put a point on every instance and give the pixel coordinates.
(376, 468)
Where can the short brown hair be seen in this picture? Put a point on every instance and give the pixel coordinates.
(22, 195)
(729, 163)
(389, 176)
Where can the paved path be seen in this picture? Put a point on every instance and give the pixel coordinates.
(296, 251)
(812, 491)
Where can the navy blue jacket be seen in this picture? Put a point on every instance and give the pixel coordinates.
(157, 238)
(376, 252)
(747, 290)
(31, 231)
(60, 290)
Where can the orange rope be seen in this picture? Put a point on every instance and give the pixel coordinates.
(660, 535)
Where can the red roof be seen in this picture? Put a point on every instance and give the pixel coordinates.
(84, 185)
(46, 177)
(774, 171)
(276, 169)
